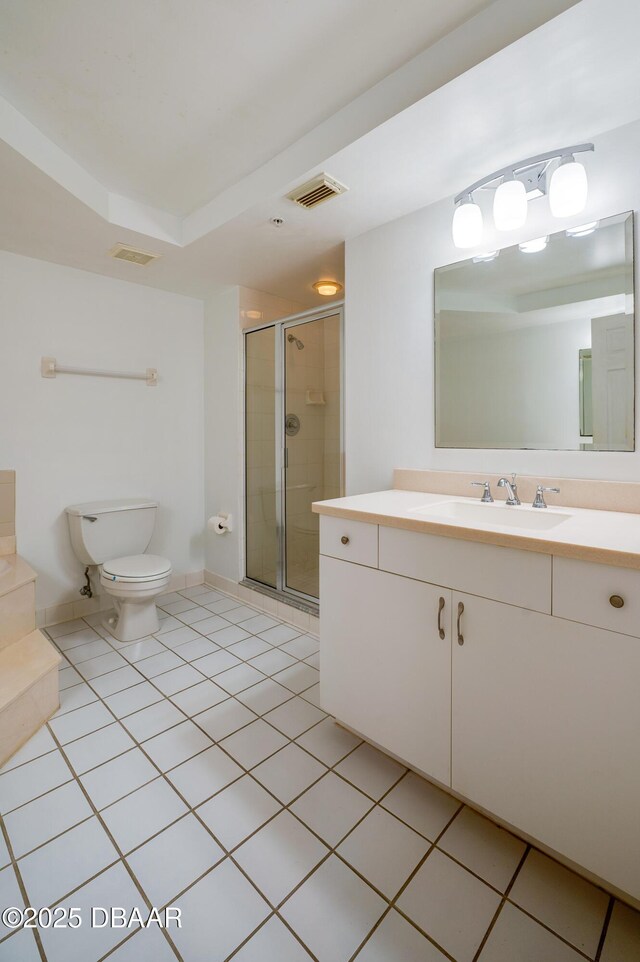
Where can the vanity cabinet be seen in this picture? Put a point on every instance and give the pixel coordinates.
(385, 670)
(534, 718)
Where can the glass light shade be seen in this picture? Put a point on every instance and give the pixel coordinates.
(327, 288)
(467, 225)
(583, 230)
(534, 246)
(510, 205)
(568, 189)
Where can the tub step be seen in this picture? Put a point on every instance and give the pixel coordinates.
(29, 692)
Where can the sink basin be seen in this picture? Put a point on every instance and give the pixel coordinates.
(512, 516)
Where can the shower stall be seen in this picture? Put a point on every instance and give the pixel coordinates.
(293, 447)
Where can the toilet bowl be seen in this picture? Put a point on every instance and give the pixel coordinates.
(134, 583)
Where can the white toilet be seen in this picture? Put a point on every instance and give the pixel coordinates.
(113, 535)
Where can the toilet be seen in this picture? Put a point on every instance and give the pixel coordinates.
(113, 535)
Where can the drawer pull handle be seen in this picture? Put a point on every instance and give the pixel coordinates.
(440, 607)
(616, 601)
(460, 613)
(344, 539)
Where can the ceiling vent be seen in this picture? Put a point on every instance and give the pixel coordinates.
(316, 191)
(122, 252)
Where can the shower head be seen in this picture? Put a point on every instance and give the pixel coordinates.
(295, 340)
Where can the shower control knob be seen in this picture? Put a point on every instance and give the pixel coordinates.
(344, 539)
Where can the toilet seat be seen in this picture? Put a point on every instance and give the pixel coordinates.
(136, 569)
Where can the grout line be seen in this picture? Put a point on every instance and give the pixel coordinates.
(605, 928)
(502, 902)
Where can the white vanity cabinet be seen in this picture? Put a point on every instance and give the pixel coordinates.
(385, 670)
(535, 717)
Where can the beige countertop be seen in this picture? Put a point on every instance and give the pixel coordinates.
(14, 572)
(605, 537)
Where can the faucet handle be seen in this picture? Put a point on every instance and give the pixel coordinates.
(486, 494)
(538, 501)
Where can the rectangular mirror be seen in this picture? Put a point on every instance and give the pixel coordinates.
(536, 349)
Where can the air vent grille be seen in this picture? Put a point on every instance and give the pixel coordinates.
(122, 252)
(317, 191)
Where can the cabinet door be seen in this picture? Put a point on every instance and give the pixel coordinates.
(546, 732)
(384, 669)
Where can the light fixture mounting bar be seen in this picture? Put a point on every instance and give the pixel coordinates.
(520, 166)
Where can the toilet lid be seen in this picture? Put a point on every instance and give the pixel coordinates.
(137, 567)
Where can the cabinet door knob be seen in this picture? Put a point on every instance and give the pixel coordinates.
(440, 608)
(460, 613)
(344, 539)
(616, 601)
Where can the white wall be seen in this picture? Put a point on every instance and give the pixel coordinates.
(76, 439)
(389, 405)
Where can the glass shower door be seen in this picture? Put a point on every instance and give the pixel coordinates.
(312, 430)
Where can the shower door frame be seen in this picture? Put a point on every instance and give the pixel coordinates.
(281, 590)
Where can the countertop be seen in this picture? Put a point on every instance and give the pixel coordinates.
(604, 537)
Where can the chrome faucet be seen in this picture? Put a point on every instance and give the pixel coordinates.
(486, 494)
(539, 501)
(512, 489)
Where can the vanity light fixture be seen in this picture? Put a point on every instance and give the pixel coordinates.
(519, 183)
(534, 246)
(583, 230)
(327, 288)
(485, 258)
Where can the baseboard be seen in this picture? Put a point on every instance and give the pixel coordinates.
(271, 606)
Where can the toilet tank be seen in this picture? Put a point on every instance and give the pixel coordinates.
(103, 530)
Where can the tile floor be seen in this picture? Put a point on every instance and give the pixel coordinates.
(195, 769)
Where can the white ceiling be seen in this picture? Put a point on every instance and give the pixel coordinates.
(476, 100)
(170, 103)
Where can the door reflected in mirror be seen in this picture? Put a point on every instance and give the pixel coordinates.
(534, 348)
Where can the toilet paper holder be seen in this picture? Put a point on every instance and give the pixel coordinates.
(220, 523)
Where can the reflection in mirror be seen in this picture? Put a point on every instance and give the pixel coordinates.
(535, 344)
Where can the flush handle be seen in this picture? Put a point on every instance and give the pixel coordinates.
(344, 539)
(89, 517)
(460, 613)
(440, 608)
(616, 601)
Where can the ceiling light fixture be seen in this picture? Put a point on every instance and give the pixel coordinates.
(583, 230)
(518, 183)
(534, 246)
(327, 288)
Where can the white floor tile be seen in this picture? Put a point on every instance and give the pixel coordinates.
(229, 636)
(174, 746)
(113, 887)
(251, 745)
(265, 696)
(137, 817)
(218, 661)
(66, 642)
(68, 676)
(132, 699)
(147, 945)
(194, 591)
(87, 651)
(421, 805)
(232, 908)
(98, 747)
(257, 623)
(157, 664)
(517, 938)
(115, 779)
(249, 648)
(450, 905)
(101, 665)
(67, 862)
(298, 677)
(294, 717)
(81, 722)
(210, 597)
(212, 624)
(115, 681)
(313, 660)
(21, 947)
(272, 661)
(562, 900)
(152, 720)
(167, 623)
(288, 773)
(489, 851)
(239, 678)
(9, 894)
(301, 647)
(204, 775)
(240, 613)
(197, 648)
(333, 892)
(622, 942)
(328, 741)
(233, 814)
(37, 745)
(21, 785)
(177, 680)
(272, 943)
(38, 821)
(178, 636)
(139, 650)
(224, 719)
(174, 859)
(395, 938)
(312, 695)
(5, 858)
(175, 607)
(193, 615)
(280, 634)
(384, 851)
(370, 771)
(66, 627)
(279, 856)
(219, 607)
(331, 808)
(199, 697)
